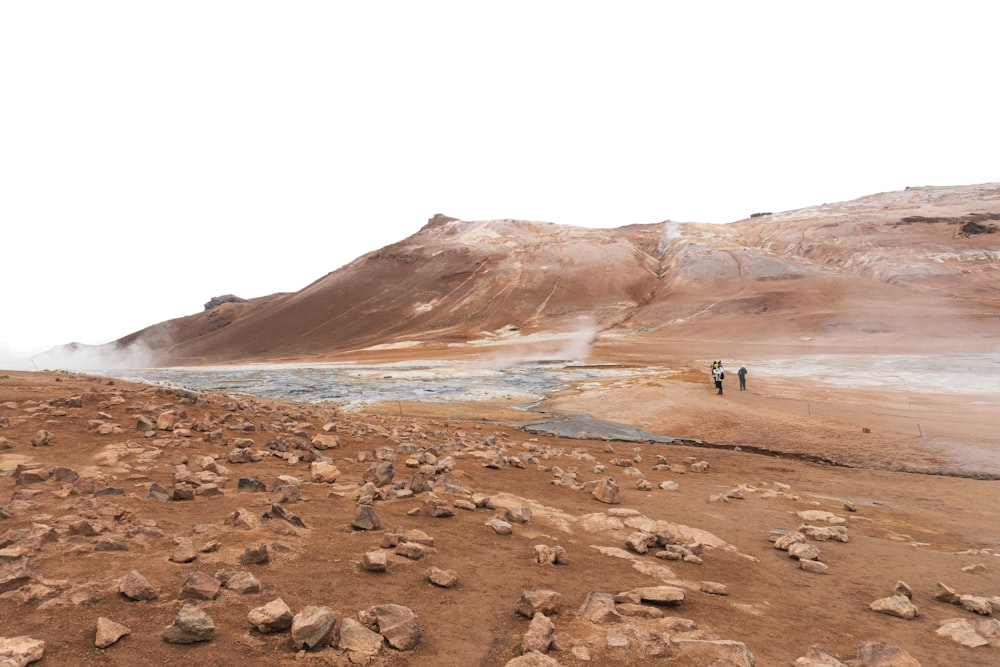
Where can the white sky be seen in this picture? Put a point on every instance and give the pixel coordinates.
(153, 155)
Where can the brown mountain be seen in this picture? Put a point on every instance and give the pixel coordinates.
(901, 269)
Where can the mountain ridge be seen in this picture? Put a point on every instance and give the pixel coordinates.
(878, 264)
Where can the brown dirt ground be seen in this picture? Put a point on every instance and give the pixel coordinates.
(918, 528)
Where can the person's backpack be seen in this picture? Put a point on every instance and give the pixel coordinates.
(722, 376)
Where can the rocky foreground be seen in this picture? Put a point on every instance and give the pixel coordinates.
(151, 524)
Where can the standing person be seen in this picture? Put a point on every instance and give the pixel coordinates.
(743, 377)
(719, 375)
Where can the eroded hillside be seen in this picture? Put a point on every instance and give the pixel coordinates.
(876, 267)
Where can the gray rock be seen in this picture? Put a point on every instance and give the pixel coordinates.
(874, 654)
(184, 551)
(379, 474)
(943, 593)
(546, 555)
(442, 578)
(20, 651)
(607, 491)
(715, 652)
(311, 627)
(533, 659)
(243, 583)
(190, 625)
(538, 636)
(519, 515)
(275, 616)
(255, 553)
(375, 561)
(818, 656)
(961, 631)
(108, 632)
(977, 604)
(200, 586)
(499, 526)
(356, 638)
(398, 624)
(251, 485)
(599, 608)
(17, 573)
(134, 586)
(365, 518)
(545, 601)
(895, 605)
(410, 550)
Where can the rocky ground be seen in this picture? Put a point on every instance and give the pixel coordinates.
(143, 524)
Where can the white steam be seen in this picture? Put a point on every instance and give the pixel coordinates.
(671, 233)
(571, 345)
(94, 357)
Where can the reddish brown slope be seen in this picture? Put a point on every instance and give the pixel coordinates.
(874, 270)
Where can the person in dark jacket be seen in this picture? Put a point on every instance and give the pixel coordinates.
(743, 377)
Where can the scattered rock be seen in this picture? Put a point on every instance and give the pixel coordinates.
(442, 578)
(275, 616)
(190, 625)
(356, 638)
(714, 588)
(108, 632)
(20, 651)
(134, 586)
(599, 608)
(817, 656)
(365, 518)
(961, 631)
(538, 637)
(874, 654)
(311, 627)
(545, 601)
(243, 583)
(714, 652)
(977, 604)
(255, 553)
(607, 491)
(546, 555)
(374, 561)
(895, 605)
(499, 526)
(200, 586)
(398, 624)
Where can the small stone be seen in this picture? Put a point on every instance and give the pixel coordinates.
(374, 561)
(108, 632)
(896, 605)
(243, 583)
(255, 553)
(499, 526)
(134, 586)
(546, 601)
(410, 550)
(200, 586)
(442, 578)
(714, 588)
